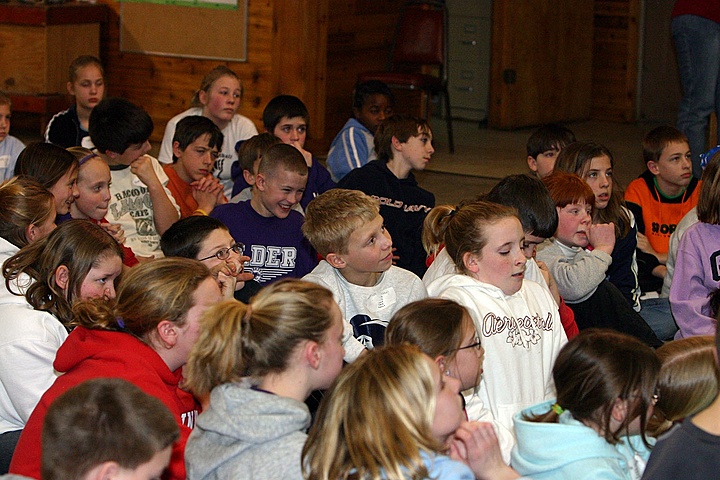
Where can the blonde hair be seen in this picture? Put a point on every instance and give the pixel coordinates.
(148, 294)
(240, 340)
(688, 380)
(23, 202)
(208, 80)
(332, 217)
(376, 419)
(462, 228)
(77, 244)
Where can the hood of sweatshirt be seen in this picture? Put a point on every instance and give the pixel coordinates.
(7, 250)
(90, 352)
(442, 283)
(242, 427)
(556, 450)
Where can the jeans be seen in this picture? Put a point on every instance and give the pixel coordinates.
(697, 44)
(656, 313)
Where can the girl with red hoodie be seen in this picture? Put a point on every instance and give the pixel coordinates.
(144, 336)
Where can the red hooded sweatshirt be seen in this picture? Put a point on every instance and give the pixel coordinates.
(88, 354)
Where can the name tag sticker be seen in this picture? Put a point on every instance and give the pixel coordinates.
(382, 300)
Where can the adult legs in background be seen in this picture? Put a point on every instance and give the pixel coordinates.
(697, 45)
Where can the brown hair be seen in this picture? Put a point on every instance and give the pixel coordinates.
(23, 202)
(402, 127)
(254, 148)
(240, 340)
(81, 62)
(208, 80)
(103, 420)
(463, 228)
(657, 139)
(333, 216)
(576, 158)
(5, 100)
(282, 156)
(434, 324)
(77, 244)
(708, 206)
(596, 368)
(45, 162)
(148, 294)
(688, 380)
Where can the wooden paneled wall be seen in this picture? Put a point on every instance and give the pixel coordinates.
(615, 59)
(309, 48)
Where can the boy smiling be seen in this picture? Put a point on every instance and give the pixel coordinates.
(267, 224)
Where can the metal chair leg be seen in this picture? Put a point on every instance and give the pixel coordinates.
(448, 120)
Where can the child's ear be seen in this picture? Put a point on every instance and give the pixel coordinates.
(532, 163)
(335, 260)
(260, 181)
(249, 177)
(356, 112)
(62, 277)
(32, 233)
(396, 144)
(653, 167)
(176, 149)
(105, 471)
(167, 333)
(70, 88)
(470, 260)
(203, 97)
(312, 354)
(620, 410)
(440, 361)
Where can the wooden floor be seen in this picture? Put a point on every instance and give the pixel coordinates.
(484, 156)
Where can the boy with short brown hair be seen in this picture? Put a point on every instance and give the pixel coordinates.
(659, 198)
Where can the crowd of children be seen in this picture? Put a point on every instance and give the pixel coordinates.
(224, 285)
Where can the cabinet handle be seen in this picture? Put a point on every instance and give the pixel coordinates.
(469, 42)
(464, 89)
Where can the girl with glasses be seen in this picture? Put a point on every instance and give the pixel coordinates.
(444, 330)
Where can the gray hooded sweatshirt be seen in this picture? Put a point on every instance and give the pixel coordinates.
(247, 434)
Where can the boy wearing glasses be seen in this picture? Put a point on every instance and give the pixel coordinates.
(208, 240)
(196, 145)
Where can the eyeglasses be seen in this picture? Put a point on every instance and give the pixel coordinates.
(476, 345)
(224, 253)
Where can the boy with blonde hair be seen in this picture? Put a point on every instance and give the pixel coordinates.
(659, 198)
(346, 228)
(10, 147)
